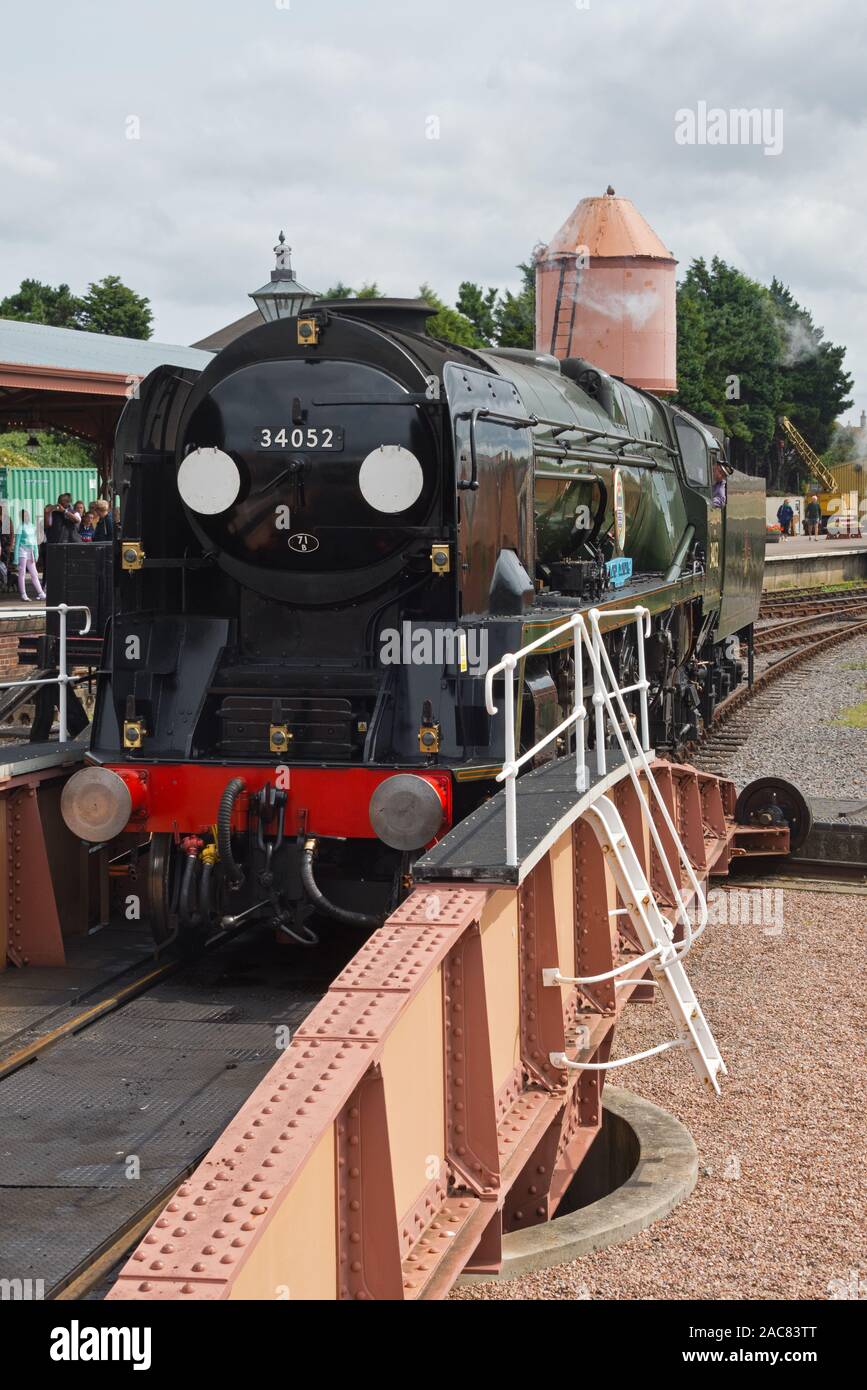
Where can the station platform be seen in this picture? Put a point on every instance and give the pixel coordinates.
(801, 563)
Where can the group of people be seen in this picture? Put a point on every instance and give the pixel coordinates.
(812, 517)
(65, 524)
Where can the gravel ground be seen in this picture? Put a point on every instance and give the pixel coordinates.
(790, 729)
(778, 1211)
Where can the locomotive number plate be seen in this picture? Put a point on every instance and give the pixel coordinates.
(299, 439)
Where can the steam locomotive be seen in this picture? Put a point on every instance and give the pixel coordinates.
(328, 536)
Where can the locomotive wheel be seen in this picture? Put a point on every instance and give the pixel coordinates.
(772, 801)
(163, 872)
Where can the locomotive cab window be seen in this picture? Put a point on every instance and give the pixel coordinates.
(695, 455)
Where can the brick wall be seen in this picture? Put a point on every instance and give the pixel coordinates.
(10, 630)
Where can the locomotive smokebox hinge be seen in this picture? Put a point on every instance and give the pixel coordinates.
(134, 733)
(440, 558)
(132, 556)
(279, 737)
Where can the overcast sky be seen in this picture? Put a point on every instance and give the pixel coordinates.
(314, 116)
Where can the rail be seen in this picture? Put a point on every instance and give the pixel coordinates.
(63, 679)
(609, 707)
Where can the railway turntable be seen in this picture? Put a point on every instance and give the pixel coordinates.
(448, 1085)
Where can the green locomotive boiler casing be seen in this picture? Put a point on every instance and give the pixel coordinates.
(654, 512)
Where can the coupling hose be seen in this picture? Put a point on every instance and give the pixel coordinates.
(319, 900)
(233, 790)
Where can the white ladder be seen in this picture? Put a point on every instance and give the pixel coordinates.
(655, 933)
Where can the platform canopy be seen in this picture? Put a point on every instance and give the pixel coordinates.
(64, 379)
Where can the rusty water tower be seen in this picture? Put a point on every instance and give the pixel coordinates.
(605, 291)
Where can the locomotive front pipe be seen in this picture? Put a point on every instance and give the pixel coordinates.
(233, 789)
(318, 898)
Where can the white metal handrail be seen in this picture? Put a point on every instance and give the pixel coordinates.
(587, 636)
(62, 680)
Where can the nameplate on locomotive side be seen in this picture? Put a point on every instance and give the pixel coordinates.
(619, 570)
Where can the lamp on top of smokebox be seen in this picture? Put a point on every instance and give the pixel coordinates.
(282, 297)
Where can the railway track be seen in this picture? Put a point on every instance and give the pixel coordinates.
(116, 1099)
(808, 629)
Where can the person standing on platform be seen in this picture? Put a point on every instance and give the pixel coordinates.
(812, 517)
(26, 546)
(105, 521)
(62, 522)
(784, 517)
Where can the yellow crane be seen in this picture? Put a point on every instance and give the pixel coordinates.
(810, 457)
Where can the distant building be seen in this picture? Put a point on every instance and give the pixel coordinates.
(63, 379)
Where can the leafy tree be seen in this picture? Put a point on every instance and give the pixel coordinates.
(815, 386)
(480, 307)
(341, 291)
(11, 458)
(730, 357)
(112, 307)
(56, 450)
(37, 303)
(516, 313)
(748, 354)
(108, 307)
(448, 325)
(692, 349)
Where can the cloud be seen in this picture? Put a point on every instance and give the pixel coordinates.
(317, 119)
(21, 162)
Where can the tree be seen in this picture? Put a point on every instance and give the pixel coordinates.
(516, 314)
(37, 303)
(112, 307)
(448, 325)
(815, 386)
(341, 291)
(748, 354)
(108, 307)
(729, 364)
(56, 450)
(480, 307)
